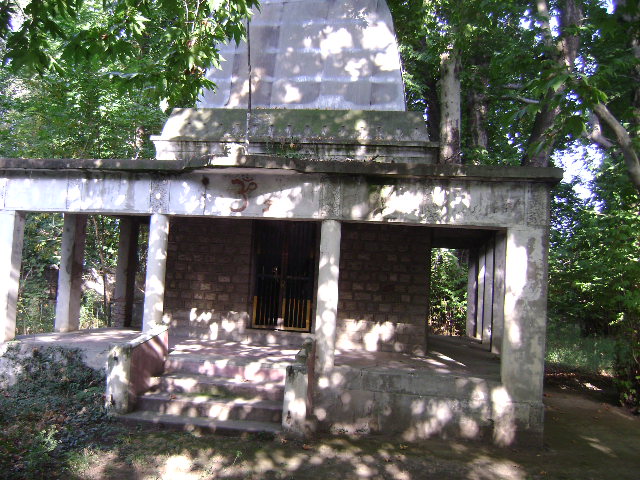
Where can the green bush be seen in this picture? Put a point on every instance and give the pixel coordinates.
(54, 409)
(448, 294)
(627, 363)
(594, 267)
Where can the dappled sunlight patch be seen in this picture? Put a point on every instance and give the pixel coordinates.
(438, 415)
(504, 427)
(597, 444)
(397, 473)
(179, 466)
(469, 428)
(486, 468)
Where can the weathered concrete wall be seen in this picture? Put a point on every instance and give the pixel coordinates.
(383, 288)
(423, 405)
(131, 366)
(345, 135)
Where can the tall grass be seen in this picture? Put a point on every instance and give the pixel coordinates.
(566, 347)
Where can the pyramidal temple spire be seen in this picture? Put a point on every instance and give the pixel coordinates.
(311, 54)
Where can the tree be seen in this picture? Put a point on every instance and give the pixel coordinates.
(534, 76)
(594, 266)
(161, 46)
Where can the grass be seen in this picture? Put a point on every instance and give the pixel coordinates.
(567, 348)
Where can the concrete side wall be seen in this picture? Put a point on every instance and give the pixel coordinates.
(208, 276)
(422, 406)
(383, 288)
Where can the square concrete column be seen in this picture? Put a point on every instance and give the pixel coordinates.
(425, 348)
(156, 269)
(480, 294)
(525, 314)
(487, 312)
(11, 236)
(125, 271)
(70, 274)
(327, 297)
(499, 262)
(472, 294)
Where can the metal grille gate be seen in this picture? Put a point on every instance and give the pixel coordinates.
(284, 275)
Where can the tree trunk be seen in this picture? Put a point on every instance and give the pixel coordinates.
(563, 53)
(450, 152)
(477, 101)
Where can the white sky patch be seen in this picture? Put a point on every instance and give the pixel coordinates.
(577, 163)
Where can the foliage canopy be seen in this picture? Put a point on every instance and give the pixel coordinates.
(163, 46)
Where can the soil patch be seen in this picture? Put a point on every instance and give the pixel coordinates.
(585, 438)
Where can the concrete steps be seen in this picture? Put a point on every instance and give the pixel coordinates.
(211, 407)
(200, 424)
(215, 391)
(281, 338)
(221, 387)
(240, 369)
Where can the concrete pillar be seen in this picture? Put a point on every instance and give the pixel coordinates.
(525, 314)
(156, 269)
(487, 313)
(472, 294)
(125, 272)
(327, 297)
(11, 235)
(480, 294)
(499, 262)
(70, 274)
(429, 278)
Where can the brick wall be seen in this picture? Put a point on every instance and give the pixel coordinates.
(383, 283)
(383, 288)
(208, 276)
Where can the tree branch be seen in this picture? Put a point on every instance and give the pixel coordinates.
(624, 142)
(519, 98)
(596, 135)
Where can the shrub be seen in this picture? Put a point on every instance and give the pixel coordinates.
(55, 407)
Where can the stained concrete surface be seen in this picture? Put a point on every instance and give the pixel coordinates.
(94, 343)
(457, 356)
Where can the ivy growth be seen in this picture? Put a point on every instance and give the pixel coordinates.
(54, 408)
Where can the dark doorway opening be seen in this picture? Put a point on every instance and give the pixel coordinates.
(285, 261)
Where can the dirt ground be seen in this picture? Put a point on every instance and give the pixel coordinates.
(586, 437)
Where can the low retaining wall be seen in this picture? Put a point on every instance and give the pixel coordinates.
(131, 366)
(297, 407)
(419, 405)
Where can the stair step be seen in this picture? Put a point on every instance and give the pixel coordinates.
(211, 407)
(189, 332)
(182, 383)
(199, 424)
(224, 367)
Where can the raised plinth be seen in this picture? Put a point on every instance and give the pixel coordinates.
(368, 136)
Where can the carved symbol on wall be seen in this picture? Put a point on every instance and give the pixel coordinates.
(245, 185)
